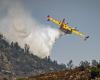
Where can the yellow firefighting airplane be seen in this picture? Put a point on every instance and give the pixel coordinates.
(64, 27)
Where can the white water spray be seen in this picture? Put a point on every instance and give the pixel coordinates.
(17, 25)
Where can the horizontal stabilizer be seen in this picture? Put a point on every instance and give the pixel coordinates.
(48, 18)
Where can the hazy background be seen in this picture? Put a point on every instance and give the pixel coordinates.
(83, 14)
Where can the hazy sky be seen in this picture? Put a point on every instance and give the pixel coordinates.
(83, 14)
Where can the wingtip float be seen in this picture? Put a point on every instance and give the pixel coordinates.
(64, 27)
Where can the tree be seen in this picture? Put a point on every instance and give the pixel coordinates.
(70, 64)
(94, 63)
(16, 45)
(26, 48)
(49, 59)
(12, 44)
(1, 36)
(84, 64)
(55, 62)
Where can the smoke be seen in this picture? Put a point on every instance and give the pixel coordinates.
(18, 25)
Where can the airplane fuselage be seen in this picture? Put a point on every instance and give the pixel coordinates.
(65, 30)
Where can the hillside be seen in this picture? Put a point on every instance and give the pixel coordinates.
(62, 75)
(74, 74)
(19, 64)
(15, 61)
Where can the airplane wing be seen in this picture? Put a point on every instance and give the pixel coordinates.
(54, 20)
(77, 32)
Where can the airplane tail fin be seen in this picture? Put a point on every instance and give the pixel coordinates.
(48, 18)
(63, 20)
